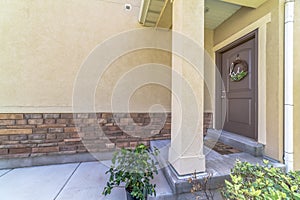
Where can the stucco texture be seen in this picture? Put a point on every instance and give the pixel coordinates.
(44, 43)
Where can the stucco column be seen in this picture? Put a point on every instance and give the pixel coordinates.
(186, 151)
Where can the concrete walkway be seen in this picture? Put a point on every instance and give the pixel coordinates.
(75, 181)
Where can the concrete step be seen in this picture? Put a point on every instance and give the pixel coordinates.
(239, 142)
(217, 166)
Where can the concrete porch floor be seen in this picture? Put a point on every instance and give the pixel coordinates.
(86, 180)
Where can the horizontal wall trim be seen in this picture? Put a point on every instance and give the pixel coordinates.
(65, 109)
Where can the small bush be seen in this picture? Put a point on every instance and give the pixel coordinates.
(261, 182)
(136, 168)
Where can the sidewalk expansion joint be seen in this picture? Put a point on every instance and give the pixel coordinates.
(67, 181)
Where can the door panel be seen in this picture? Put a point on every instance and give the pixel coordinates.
(240, 102)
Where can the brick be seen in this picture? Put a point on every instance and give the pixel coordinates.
(165, 131)
(48, 145)
(15, 131)
(89, 121)
(133, 115)
(90, 136)
(17, 146)
(3, 151)
(110, 145)
(62, 121)
(50, 136)
(88, 129)
(133, 144)
(146, 143)
(51, 125)
(33, 116)
(63, 135)
(96, 147)
(82, 115)
(102, 121)
(72, 140)
(20, 126)
(53, 141)
(144, 115)
(45, 149)
(18, 137)
(70, 122)
(37, 137)
(74, 135)
(20, 151)
(68, 148)
(167, 126)
(35, 121)
(56, 130)
(39, 130)
(32, 142)
(78, 122)
(138, 120)
(11, 116)
(122, 144)
(106, 115)
(9, 142)
(3, 137)
(66, 116)
(21, 122)
(6, 122)
(70, 130)
(49, 121)
(51, 116)
(113, 128)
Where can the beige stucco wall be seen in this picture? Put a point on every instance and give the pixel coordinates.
(208, 70)
(274, 62)
(43, 44)
(296, 86)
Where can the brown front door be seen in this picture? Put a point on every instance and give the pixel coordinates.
(239, 93)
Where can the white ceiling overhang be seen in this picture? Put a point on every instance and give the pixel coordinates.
(158, 13)
(246, 3)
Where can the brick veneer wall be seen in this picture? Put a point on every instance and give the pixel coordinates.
(30, 135)
(38, 134)
(207, 122)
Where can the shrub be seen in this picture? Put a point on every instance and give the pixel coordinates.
(135, 168)
(261, 182)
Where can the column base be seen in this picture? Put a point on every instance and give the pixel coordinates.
(186, 165)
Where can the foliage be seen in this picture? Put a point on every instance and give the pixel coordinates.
(135, 168)
(261, 182)
(238, 76)
(199, 185)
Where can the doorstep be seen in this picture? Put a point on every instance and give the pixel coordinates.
(239, 142)
(217, 165)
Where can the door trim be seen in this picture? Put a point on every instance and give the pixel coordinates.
(219, 84)
(261, 25)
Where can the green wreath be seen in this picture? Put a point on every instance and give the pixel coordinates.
(238, 75)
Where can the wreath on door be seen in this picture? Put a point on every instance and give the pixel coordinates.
(241, 72)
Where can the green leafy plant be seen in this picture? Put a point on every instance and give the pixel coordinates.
(134, 167)
(261, 182)
(238, 76)
(201, 185)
